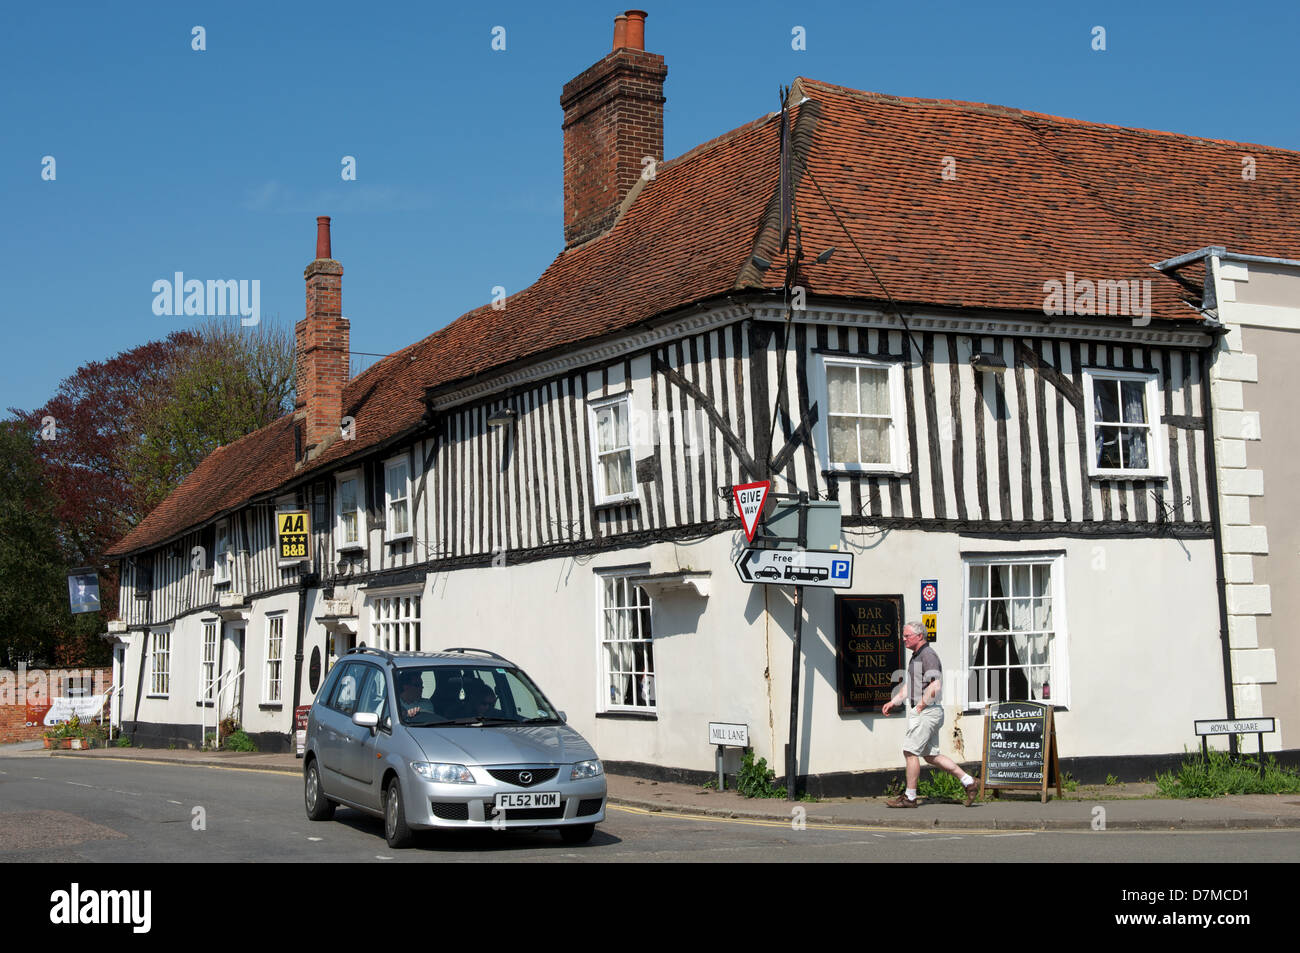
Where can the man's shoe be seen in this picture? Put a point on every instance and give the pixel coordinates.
(901, 801)
(972, 791)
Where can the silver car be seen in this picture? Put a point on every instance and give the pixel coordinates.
(454, 739)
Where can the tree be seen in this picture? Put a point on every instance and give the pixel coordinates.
(83, 428)
(116, 438)
(33, 599)
(234, 381)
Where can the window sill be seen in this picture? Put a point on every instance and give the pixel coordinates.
(159, 697)
(629, 715)
(864, 471)
(220, 582)
(350, 548)
(1122, 477)
(632, 500)
(271, 706)
(404, 538)
(980, 712)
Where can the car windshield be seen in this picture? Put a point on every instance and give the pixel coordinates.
(469, 695)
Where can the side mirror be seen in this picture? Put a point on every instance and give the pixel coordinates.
(366, 719)
(564, 718)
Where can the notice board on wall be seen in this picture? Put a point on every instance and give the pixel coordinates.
(1020, 749)
(868, 651)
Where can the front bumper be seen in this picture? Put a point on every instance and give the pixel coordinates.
(431, 804)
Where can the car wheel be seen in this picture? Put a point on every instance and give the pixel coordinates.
(319, 807)
(577, 833)
(395, 829)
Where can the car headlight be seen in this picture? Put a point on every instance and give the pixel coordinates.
(443, 772)
(586, 769)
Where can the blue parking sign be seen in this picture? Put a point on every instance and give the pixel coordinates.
(839, 569)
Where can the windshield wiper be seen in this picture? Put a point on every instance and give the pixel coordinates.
(541, 719)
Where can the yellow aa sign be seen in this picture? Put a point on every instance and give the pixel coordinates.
(294, 532)
(293, 523)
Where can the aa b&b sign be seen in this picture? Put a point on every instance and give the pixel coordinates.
(293, 531)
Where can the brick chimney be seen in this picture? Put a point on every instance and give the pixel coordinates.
(322, 349)
(613, 118)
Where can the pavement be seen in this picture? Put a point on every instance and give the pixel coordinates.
(1120, 806)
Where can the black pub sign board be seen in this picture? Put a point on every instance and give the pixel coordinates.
(868, 651)
(1020, 748)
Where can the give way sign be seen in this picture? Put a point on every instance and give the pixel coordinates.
(750, 498)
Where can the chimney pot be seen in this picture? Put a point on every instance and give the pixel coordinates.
(323, 236)
(635, 29)
(620, 31)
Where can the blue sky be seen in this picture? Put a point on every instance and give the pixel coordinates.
(215, 163)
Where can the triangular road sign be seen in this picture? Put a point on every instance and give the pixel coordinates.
(750, 498)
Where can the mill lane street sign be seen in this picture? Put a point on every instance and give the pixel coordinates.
(796, 567)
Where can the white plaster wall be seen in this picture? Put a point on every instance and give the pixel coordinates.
(1141, 636)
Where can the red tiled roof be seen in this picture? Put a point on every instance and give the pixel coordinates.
(1034, 196)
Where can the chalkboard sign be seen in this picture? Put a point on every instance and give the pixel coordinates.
(1020, 748)
(868, 651)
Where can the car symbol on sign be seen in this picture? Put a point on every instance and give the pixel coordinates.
(768, 572)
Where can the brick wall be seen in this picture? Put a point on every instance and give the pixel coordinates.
(322, 340)
(13, 717)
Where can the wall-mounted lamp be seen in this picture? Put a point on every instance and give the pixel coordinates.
(988, 363)
(502, 418)
(825, 256)
(762, 264)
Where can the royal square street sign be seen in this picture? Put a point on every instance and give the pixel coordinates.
(796, 567)
(293, 534)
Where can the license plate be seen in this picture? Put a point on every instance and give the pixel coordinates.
(530, 799)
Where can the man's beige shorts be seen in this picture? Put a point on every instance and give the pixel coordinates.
(923, 730)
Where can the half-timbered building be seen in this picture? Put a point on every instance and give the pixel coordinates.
(985, 372)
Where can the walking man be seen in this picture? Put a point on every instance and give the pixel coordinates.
(921, 690)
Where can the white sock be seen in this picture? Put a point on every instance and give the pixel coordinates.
(911, 794)
(967, 780)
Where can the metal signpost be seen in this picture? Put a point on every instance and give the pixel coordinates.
(786, 560)
(723, 735)
(1235, 726)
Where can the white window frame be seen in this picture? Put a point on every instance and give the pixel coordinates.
(395, 618)
(1155, 423)
(898, 410)
(160, 644)
(273, 667)
(208, 666)
(340, 543)
(1059, 680)
(221, 559)
(389, 466)
(603, 497)
(604, 683)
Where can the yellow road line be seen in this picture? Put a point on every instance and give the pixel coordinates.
(194, 764)
(763, 822)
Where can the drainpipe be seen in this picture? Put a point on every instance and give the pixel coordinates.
(305, 582)
(1212, 487)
